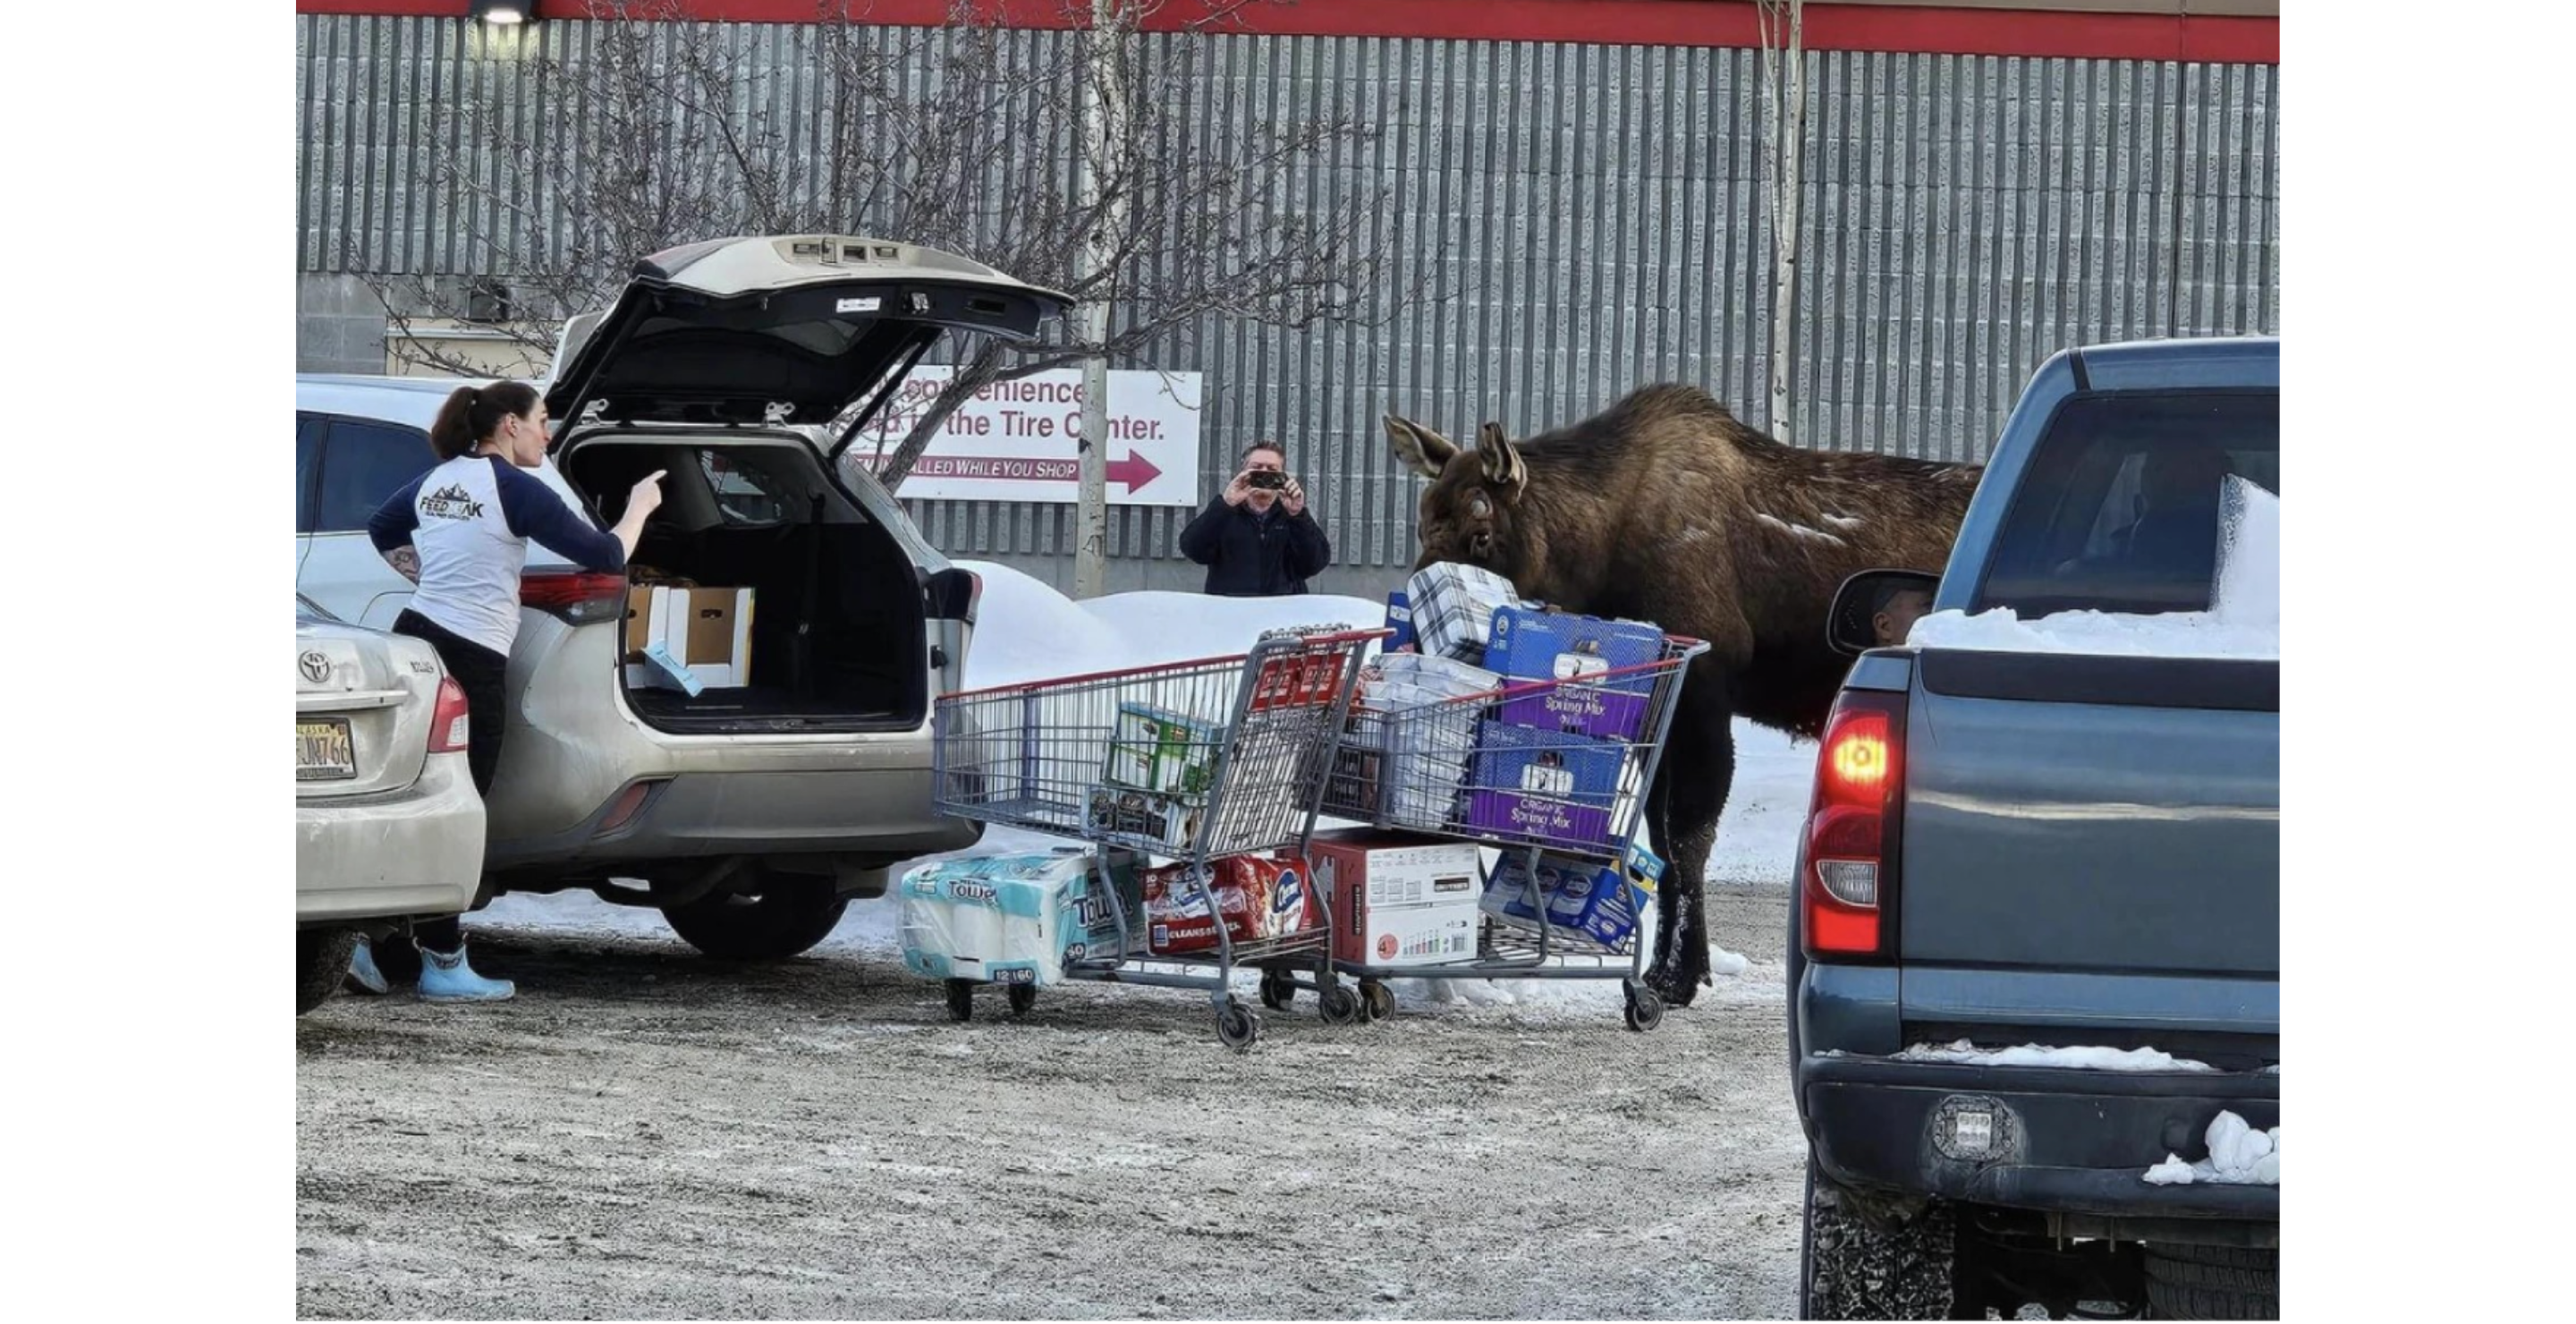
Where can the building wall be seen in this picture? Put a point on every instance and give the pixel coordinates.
(1581, 219)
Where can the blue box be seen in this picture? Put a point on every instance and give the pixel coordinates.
(1599, 903)
(1544, 787)
(1399, 618)
(1532, 645)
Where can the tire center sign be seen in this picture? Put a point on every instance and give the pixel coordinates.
(1014, 440)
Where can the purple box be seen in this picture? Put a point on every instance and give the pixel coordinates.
(1543, 786)
(1534, 645)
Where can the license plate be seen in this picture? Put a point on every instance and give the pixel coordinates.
(323, 751)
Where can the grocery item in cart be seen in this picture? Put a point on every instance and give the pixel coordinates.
(1530, 644)
(1011, 917)
(1158, 820)
(1453, 607)
(1595, 904)
(1397, 900)
(1259, 898)
(1399, 621)
(1161, 752)
(1546, 787)
(1428, 735)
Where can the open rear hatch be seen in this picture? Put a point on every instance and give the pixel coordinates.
(743, 368)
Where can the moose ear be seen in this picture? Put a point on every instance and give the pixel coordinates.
(1503, 467)
(1427, 451)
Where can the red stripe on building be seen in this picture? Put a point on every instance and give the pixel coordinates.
(2061, 33)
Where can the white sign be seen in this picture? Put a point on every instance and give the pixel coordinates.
(1014, 441)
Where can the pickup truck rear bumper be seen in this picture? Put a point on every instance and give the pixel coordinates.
(2059, 1141)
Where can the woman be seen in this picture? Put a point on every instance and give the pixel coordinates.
(461, 532)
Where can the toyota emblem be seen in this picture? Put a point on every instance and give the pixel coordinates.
(317, 668)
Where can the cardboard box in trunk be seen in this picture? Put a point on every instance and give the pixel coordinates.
(704, 631)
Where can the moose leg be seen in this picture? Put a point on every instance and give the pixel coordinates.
(1699, 761)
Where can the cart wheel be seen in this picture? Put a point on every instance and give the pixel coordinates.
(1341, 1005)
(1380, 999)
(961, 999)
(1236, 1027)
(1645, 1009)
(1023, 997)
(1277, 993)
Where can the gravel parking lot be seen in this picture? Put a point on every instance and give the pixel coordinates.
(645, 1133)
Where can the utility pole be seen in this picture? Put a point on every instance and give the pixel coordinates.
(1104, 136)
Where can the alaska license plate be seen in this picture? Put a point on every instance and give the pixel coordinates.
(323, 751)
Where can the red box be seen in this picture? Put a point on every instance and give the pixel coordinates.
(1398, 900)
(1260, 899)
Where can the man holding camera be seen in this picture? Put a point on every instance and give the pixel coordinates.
(1256, 538)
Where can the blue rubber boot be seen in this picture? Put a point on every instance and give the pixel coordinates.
(445, 977)
(364, 977)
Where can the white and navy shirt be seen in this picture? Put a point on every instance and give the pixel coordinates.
(471, 520)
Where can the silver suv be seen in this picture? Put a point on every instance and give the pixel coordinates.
(749, 813)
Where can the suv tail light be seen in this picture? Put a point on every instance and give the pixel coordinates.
(448, 726)
(1847, 863)
(576, 598)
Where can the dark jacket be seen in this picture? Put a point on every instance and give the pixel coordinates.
(1248, 556)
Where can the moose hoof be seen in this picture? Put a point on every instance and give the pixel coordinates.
(1675, 993)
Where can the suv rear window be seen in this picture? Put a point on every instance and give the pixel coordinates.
(2119, 508)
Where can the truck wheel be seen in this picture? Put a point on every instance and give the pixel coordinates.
(1850, 1268)
(321, 962)
(775, 915)
(2213, 1282)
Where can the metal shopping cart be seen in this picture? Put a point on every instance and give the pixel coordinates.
(1564, 805)
(1194, 762)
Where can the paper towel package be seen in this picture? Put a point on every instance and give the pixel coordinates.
(1259, 899)
(1429, 733)
(1014, 918)
(1598, 905)
(1529, 644)
(1453, 607)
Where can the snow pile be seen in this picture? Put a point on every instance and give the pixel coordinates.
(1025, 630)
(2244, 619)
(2239, 1155)
(1964, 1053)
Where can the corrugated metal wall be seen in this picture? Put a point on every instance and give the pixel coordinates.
(1581, 220)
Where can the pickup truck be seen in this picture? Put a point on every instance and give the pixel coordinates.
(2024, 869)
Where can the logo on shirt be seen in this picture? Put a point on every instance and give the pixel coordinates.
(450, 502)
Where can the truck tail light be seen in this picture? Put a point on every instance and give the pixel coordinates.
(448, 725)
(1847, 860)
(575, 597)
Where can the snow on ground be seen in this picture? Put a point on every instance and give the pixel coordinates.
(2244, 619)
(1964, 1053)
(1026, 630)
(2239, 1155)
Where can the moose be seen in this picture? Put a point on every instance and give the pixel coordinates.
(1667, 508)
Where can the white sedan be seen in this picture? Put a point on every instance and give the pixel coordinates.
(387, 824)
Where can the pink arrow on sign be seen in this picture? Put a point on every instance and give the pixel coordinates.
(1135, 471)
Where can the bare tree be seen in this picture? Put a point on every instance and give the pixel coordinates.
(647, 132)
(1784, 105)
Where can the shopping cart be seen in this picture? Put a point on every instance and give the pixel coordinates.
(1564, 805)
(1192, 762)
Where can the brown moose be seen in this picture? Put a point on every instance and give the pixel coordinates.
(1667, 508)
